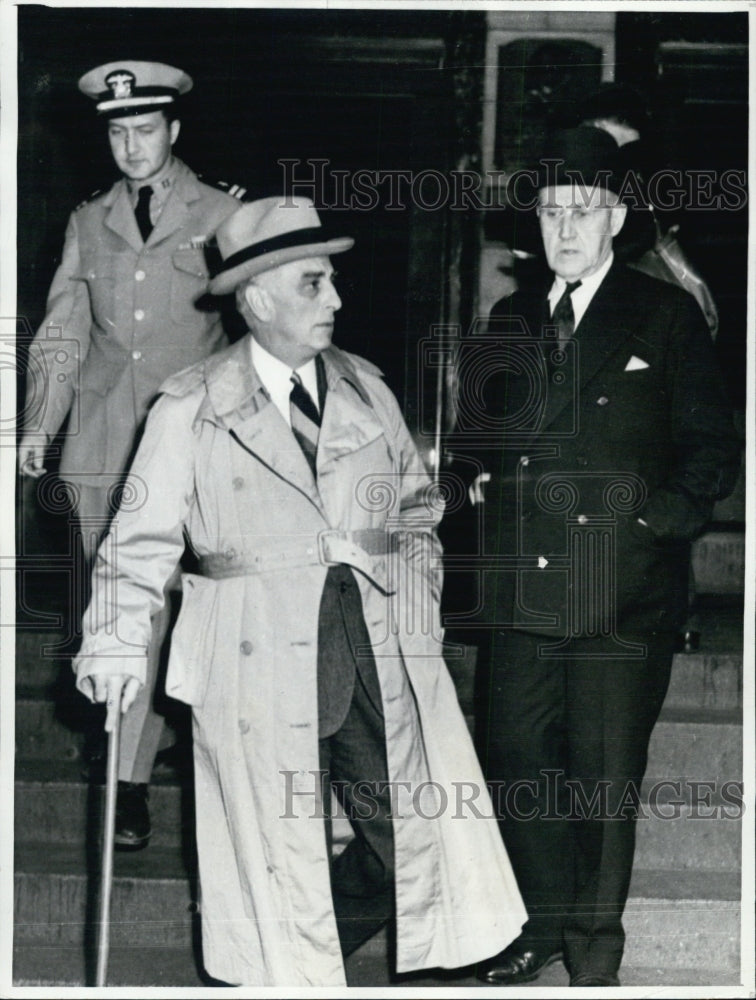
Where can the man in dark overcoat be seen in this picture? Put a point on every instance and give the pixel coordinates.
(616, 441)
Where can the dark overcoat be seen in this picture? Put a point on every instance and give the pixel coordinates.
(629, 421)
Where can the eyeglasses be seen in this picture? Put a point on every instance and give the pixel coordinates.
(552, 215)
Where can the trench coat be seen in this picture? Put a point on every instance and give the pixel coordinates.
(219, 463)
(122, 315)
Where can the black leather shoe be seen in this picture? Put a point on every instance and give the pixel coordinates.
(594, 979)
(132, 819)
(521, 962)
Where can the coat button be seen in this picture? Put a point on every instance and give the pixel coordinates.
(246, 647)
(524, 460)
(136, 355)
(602, 400)
(238, 482)
(582, 519)
(139, 276)
(139, 314)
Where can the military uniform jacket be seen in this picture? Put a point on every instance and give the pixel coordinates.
(630, 422)
(219, 465)
(122, 315)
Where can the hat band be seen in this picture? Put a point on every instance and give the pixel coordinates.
(294, 238)
(138, 95)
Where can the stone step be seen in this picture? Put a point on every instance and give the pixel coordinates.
(53, 803)
(155, 900)
(55, 896)
(42, 965)
(65, 810)
(695, 746)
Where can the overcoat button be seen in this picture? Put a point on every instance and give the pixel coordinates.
(524, 460)
(602, 400)
(246, 647)
(582, 519)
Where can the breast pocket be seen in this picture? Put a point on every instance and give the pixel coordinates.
(189, 279)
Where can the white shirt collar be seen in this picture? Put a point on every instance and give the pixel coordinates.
(276, 377)
(581, 297)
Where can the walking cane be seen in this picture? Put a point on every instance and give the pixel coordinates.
(106, 871)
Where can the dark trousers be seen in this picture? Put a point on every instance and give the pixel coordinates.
(353, 762)
(559, 734)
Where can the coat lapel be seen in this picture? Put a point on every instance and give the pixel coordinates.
(238, 402)
(176, 212)
(600, 334)
(349, 419)
(120, 219)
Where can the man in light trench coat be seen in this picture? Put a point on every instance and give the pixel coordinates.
(308, 644)
(123, 315)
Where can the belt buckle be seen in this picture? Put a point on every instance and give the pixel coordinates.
(323, 539)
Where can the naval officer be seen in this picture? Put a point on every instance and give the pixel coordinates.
(126, 295)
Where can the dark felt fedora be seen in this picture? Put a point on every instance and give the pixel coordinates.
(584, 156)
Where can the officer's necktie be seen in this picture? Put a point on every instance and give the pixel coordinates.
(305, 420)
(563, 316)
(142, 211)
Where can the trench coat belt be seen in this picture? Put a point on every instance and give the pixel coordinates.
(365, 549)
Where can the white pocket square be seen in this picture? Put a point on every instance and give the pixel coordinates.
(635, 364)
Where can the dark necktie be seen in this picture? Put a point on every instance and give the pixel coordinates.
(142, 212)
(563, 316)
(305, 420)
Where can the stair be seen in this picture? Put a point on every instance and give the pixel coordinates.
(684, 900)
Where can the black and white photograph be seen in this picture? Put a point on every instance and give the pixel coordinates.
(377, 438)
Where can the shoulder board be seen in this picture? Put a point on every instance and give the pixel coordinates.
(184, 382)
(363, 365)
(235, 190)
(89, 198)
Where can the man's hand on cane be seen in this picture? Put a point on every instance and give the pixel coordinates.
(114, 690)
(31, 455)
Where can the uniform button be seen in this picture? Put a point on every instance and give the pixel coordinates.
(136, 355)
(582, 460)
(139, 314)
(582, 519)
(602, 400)
(246, 647)
(140, 276)
(524, 460)
(238, 482)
